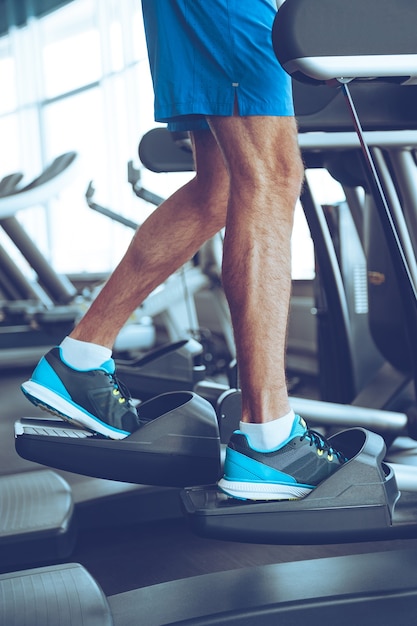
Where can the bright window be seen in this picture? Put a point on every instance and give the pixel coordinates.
(78, 80)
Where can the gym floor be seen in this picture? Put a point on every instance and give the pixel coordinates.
(130, 555)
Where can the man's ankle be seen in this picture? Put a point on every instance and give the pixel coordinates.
(82, 355)
(269, 435)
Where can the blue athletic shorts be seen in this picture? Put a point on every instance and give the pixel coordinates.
(206, 56)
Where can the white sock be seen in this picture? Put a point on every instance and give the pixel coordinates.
(82, 355)
(269, 435)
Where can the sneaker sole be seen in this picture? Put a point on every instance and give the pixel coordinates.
(57, 405)
(262, 491)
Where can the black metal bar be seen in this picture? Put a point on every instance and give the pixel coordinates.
(60, 289)
(406, 283)
(380, 200)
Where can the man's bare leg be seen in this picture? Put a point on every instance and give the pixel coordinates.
(76, 380)
(166, 240)
(273, 456)
(266, 172)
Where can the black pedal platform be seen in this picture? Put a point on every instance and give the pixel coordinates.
(178, 445)
(356, 503)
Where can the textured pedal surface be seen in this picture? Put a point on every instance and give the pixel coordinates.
(62, 594)
(36, 510)
(51, 428)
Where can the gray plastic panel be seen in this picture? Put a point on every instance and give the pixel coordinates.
(363, 589)
(62, 594)
(36, 518)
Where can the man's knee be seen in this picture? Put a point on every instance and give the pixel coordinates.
(260, 151)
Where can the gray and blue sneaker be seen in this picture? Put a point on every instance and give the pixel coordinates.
(288, 472)
(94, 399)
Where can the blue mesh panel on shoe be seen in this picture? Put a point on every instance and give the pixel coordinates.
(241, 467)
(46, 376)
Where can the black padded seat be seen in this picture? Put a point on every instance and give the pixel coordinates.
(53, 178)
(374, 42)
(162, 151)
(36, 518)
(64, 595)
(9, 183)
(324, 39)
